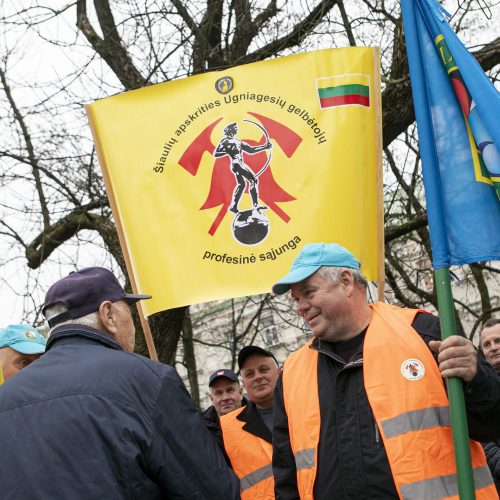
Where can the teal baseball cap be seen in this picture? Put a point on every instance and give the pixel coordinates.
(22, 338)
(310, 258)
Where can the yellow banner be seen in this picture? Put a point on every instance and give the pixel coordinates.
(217, 180)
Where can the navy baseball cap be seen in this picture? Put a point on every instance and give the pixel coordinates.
(83, 291)
(22, 338)
(222, 373)
(251, 350)
(311, 258)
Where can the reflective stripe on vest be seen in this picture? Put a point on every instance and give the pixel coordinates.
(250, 456)
(417, 420)
(445, 486)
(304, 459)
(256, 477)
(412, 415)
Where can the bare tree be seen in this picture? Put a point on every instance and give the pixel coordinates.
(111, 47)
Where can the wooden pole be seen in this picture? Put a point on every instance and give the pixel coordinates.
(379, 179)
(121, 236)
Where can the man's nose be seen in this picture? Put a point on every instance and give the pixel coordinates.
(302, 306)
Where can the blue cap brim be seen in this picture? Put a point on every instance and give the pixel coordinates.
(295, 276)
(28, 347)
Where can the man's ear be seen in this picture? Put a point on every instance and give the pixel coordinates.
(107, 316)
(347, 279)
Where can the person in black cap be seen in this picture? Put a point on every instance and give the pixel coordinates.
(98, 420)
(226, 395)
(247, 433)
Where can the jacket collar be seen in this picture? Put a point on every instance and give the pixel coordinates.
(81, 332)
(356, 343)
(253, 423)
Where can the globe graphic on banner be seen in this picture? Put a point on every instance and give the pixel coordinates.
(250, 227)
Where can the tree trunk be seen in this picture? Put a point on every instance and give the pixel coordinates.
(166, 329)
(190, 358)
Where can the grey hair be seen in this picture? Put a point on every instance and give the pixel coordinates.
(91, 319)
(332, 274)
(491, 322)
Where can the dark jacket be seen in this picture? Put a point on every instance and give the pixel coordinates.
(492, 451)
(352, 462)
(212, 422)
(88, 420)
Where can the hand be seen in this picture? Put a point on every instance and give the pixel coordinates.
(457, 357)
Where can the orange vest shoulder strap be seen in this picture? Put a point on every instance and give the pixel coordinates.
(300, 394)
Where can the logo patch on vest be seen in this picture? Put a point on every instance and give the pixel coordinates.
(413, 369)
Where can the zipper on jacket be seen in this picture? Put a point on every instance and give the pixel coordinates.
(331, 355)
(377, 432)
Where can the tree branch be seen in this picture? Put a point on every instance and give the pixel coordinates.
(60, 232)
(110, 47)
(392, 233)
(299, 32)
(33, 160)
(346, 23)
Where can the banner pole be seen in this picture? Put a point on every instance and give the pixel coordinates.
(121, 237)
(379, 179)
(455, 390)
(150, 343)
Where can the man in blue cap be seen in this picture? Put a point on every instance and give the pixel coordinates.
(98, 420)
(361, 411)
(20, 345)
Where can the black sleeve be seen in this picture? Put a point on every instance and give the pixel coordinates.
(285, 474)
(183, 457)
(492, 452)
(213, 426)
(428, 327)
(482, 400)
(482, 393)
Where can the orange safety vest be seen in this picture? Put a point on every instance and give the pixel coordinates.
(407, 396)
(251, 458)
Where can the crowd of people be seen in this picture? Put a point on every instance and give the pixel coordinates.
(360, 411)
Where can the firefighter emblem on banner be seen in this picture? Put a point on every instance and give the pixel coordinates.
(243, 165)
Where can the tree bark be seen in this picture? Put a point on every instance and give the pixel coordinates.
(190, 359)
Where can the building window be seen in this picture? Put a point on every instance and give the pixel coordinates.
(269, 330)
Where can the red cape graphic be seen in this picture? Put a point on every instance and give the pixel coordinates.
(223, 183)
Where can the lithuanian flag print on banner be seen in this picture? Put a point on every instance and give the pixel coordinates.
(343, 90)
(216, 181)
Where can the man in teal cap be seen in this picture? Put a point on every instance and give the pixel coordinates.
(20, 345)
(362, 407)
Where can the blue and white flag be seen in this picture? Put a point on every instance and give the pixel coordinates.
(458, 118)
